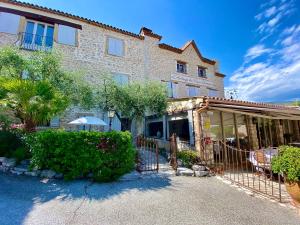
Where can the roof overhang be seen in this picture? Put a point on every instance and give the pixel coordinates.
(262, 110)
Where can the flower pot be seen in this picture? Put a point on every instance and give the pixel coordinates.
(293, 188)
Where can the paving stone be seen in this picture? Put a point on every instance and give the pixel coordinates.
(16, 172)
(59, 176)
(9, 162)
(21, 168)
(182, 171)
(48, 173)
(2, 159)
(25, 162)
(33, 173)
(198, 168)
(201, 173)
(3, 168)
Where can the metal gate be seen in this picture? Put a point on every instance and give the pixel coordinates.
(147, 154)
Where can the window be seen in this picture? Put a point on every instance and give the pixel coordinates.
(66, 35)
(115, 46)
(212, 93)
(172, 89)
(201, 72)
(121, 79)
(38, 35)
(193, 91)
(9, 23)
(181, 67)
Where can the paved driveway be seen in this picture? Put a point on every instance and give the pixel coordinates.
(173, 200)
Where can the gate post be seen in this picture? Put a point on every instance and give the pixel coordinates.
(173, 151)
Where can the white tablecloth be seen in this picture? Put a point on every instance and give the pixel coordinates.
(268, 152)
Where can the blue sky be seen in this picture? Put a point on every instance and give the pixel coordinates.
(256, 42)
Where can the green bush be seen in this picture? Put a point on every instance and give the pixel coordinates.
(107, 155)
(288, 163)
(9, 142)
(20, 154)
(188, 157)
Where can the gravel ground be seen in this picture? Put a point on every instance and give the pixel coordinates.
(158, 200)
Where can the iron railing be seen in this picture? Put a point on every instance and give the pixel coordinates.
(249, 169)
(35, 42)
(148, 155)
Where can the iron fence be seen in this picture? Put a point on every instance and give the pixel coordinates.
(249, 169)
(147, 154)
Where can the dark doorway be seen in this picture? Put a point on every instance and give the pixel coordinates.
(180, 128)
(155, 129)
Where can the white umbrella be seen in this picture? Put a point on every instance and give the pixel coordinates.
(88, 120)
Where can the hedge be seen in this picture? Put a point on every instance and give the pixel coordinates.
(107, 155)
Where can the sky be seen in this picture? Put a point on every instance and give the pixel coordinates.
(256, 42)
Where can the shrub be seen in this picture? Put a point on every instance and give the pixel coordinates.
(108, 155)
(288, 163)
(188, 157)
(20, 154)
(9, 142)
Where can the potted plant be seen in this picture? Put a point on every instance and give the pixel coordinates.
(288, 163)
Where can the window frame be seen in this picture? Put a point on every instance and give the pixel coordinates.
(201, 68)
(195, 87)
(181, 63)
(107, 46)
(36, 22)
(76, 44)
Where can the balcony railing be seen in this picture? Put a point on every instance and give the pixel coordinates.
(35, 42)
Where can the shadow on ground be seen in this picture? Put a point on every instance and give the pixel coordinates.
(19, 194)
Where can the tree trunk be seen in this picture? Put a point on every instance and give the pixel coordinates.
(126, 124)
(29, 125)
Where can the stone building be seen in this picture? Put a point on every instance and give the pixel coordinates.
(96, 49)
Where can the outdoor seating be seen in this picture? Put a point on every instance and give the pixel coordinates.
(261, 159)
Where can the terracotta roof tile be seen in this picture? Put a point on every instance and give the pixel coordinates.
(61, 13)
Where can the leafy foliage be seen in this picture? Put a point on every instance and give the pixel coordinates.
(107, 155)
(288, 163)
(134, 100)
(9, 142)
(47, 89)
(188, 157)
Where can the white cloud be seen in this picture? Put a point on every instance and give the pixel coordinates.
(276, 74)
(256, 51)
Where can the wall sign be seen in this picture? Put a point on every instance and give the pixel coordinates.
(192, 80)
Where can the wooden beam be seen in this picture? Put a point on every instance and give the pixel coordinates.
(236, 132)
(253, 114)
(223, 135)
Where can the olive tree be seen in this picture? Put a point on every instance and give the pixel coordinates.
(132, 101)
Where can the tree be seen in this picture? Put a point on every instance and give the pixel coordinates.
(132, 101)
(36, 87)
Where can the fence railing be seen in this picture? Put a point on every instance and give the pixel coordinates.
(148, 155)
(250, 169)
(35, 42)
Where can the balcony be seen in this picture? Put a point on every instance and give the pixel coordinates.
(34, 42)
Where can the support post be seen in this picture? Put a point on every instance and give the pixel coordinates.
(223, 137)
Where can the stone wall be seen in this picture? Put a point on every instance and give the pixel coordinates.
(143, 59)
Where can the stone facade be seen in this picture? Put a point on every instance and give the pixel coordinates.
(143, 59)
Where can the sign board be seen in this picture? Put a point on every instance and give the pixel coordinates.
(192, 80)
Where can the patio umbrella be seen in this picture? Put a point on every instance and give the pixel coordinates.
(88, 120)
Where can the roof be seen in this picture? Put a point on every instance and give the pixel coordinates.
(144, 30)
(257, 109)
(61, 13)
(183, 48)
